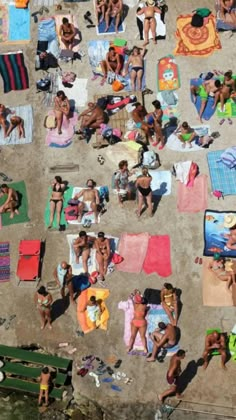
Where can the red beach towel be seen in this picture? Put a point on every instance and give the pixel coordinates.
(158, 256)
(133, 248)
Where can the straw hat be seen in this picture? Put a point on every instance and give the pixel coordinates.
(230, 220)
(150, 3)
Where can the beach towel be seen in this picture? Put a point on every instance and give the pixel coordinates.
(133, 248)
(26, 113)
(161, 182)
(160, 25)
(22, 217)
(220, 24)
(100, 28)
(229, 109)
(208, 111)
(47, 30)
(85, 324)
(173, 142)
(79, 85)
(53, 139)
(19, 24)
(222, 178)
(4, 23)
(214, 234)
(167, 74)
(196, 42)
(157, 259)
(67, 195)
(4, 262)
(72, 19)
(97, 51)
(155, 315)
(192, 199)
(214, 291)
(14, 71)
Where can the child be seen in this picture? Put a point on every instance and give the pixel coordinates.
(44, 385)
(94, 310)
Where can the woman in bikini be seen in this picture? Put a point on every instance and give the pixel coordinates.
(43, 301)
(56, 200)
(169, 302)
(103, 251)
(142, 184)
(149, 20)
(61, 108)
(16, 122)
(67, 33)
(218, 266)
(137, 67)
(156, 116)
(228, 87)
(112, 63)
(82, 247)
(139, 323)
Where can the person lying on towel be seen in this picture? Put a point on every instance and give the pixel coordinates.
(114, 10)
(149, 21)
(94, 310)
(136, 65)
(218, 266)
(67, 33)
(12, 201)
(82, 247)
(16, 122)
(90, 200)
(208, 88)
(228, 11)
(164, 337)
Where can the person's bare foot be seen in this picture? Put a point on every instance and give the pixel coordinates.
(150, 359)
(59, 132)
(155, 41)
(205, 365)
(43, 326)
(145, 43)
(223, 366)
(16, 211)
(179, 396)
(12, 215)
(129, 349)
(49, 326)
(160, 398)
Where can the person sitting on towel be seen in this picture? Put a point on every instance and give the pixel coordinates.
(215, 341)
(228, 86)
(155, 118)
(3, 118)
(100, 8)
(218, 266)
(138, 115)
(228, 11)
(149, 20)
(90, 200)
(82, 246)
(112, 63)
(114, 10)
(67, 33)
(61, 108)
(169, 302)
(103, 251)
(94, 311)
(165, 340)
(92, 117)
(16, 122)
(187, 134)
(12, 201)
(208, 88)
(137, 67)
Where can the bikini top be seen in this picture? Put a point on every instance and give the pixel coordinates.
(55, 189)
(43, 302)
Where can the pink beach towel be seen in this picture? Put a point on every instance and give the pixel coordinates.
(158, 256)
(128, 308)
(193, 199)
(64, 139)
(133, 248)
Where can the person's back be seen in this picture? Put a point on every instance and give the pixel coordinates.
(171, 334)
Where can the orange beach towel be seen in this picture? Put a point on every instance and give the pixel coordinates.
(21, 4)
(83, 319)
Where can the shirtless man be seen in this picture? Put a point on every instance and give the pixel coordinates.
(166, 340)
(82, 246)
(215, 341)
(16, 122)
(3, 121)
(172, 375)
(90, 201)
(92, 117)
(67, 33)
(114, 10)
(12, 201)
(208, 88)
(112, 63)
(136, 61)
(63, 276)
(138, 115)
(149, 20)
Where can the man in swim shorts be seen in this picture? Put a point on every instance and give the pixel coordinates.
(215, 341)
(163, 337)
(137, 67)
(138, 115)
(172, 375)
(208, 88)
(90, 200)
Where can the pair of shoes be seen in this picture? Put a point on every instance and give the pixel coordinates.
(87, 223)
(87, 17)
(101, 159)
(198, 260)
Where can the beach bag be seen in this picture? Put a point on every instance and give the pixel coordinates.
(151, 160)
(71, 213)
(50, 122)
(203, 12)
(197, 21)
(43, 85)
(117, 86)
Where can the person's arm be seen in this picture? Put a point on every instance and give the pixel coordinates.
(193, 134)
(107, 63)
(141, 11)
(69, 273)
(61, 30)
(118, 68)
(120, 6)
(73, 31)
(162, 341)
(172, 370)
(157, 10)
(9, 197)
(80, 194)
(117, 178)
(143, 51)
(97, 197)
(85, 112)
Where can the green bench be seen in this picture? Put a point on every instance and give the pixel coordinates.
(30, 387)
(30, 372)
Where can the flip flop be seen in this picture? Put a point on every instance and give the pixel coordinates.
(94, 77)
(222, 121)
(230, 121)
(109, 370)
(116, 388)
(200, 261)
(117, 364)
(107, 380)
(196, 260)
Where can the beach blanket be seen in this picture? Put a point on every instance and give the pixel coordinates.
(222, 178)
(85, 323)
(67, 196)
(160, 25)
(155, 315)
(214, 291)
(26, 113)
(79, 85)
(14, 71)
(214, 234)
(96, 53)
(196, 42)
(53, 139)
(192, 199)
(47, 30)
(167, 74)
(72, 19)
(19, 24)
(158, 258)
(133, 248)
(4, 262)
(174, 143)
(208, 111)
(22, 217)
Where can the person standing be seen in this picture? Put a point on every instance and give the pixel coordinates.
(103, 251)
(43, 301)
(172, 376)
(63, 276)
(143, 185)
(44, 385)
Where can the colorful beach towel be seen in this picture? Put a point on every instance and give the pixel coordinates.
(13, 72)
(97, 51)
(155, 315)
(19, 24)
(85, 323)
(167, 74)
(214, 234)
(4, 262)
(67, 196)
(196, 42)
(157, 258)
(192, 199)
(209, 110)
(53, 139)
(214, 291)
(26, 113)
(229, 109)
(133, 248)
(222, 178)
(22, 217)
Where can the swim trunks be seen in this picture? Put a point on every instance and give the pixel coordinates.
(202, 93)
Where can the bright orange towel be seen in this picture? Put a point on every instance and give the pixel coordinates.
(83, 319)
(21, 4)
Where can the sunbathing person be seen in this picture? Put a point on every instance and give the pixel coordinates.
(82, 246)
(139, 323)
(138, 115)
(228, 11)
(208, 88)
(11, 203)
(228, 87)
(215, 341)
(143, 185)
(94, 311)
(230, 223)
(136, 62)
(92, 117)
(187, 134)
(56, 200)
(162, 341)
(112, 63)
(169, 302)
(3, 119)
(149, 20)
(122, 181)
(90, 200)
(100, 7)
(103, 252)
(61, 108)
(63, 276)
(67, 33)
(114, 10)
(16, 122)
(217, 266)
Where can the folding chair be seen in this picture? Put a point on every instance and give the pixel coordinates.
(28, 268)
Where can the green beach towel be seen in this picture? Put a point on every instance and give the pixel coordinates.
(67, 196)
(230, 105)
(23, 208)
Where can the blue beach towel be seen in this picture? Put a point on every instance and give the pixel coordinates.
(19, 24)
(47, 30)
(222, 178)
(111, 30)
(208, 111)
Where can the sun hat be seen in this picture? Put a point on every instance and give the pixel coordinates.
(150, 2)
(230, 220)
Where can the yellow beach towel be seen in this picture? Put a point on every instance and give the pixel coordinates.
(82, 316)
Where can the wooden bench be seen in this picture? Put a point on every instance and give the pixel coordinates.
(30, 387)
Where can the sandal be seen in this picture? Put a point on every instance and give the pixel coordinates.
(102, 82)
(222, 121)
(94, 77)
(200, 261)
(110, 370)
(230, 121)
(196, 260)
(117, 364)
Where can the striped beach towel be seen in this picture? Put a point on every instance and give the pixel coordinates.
(4, 262)
(14, 72)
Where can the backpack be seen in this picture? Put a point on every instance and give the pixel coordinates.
(43, 85)
(197, 21)
(203, 12)
(117, 86)
(48, 61)
(71, 213)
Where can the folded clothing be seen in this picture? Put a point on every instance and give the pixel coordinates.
(228, 157)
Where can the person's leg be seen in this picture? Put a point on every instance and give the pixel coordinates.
(12, 208)
(142, 332)
(140, 204)
(4, 126)
(58, 211)
(107, 19)
(43, 318)
(134, 331)
(146, 27)
(52, 212)
(223, 358)
(105, 263)
(80, 211)
(153, 356)
(65, 42)
(59, 119)
(48, 317)
(46, 396)
(139, 79)
(100, 262)
(117, 22)
(169, 313)
(223, 97)
(10, 129)
(103, 13)
(153, 26)
(85, 257)
(167, 392)
(149, 204)
(205, 357)
(202, 108)
(133, 76)
(40, 397)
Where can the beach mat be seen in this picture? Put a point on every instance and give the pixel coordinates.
(97, 50)
(13, 71)
(173, 142)
(158, 258)
(67, 195)
(205, 43)
(83, 320)
(155, 315)
(214, 291)
(168, 77)
(192, 199)
(26, 113)
(208, 111)
(72, 19)
(222, 178)
(214, 231)
(4, 262)
(133, 248)
(79, 85)
(53, 139)
(19, 24)
(77, 268)
(23, 208)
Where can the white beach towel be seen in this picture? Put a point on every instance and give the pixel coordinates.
(78, 93)
(174, 143)
(26, 113)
